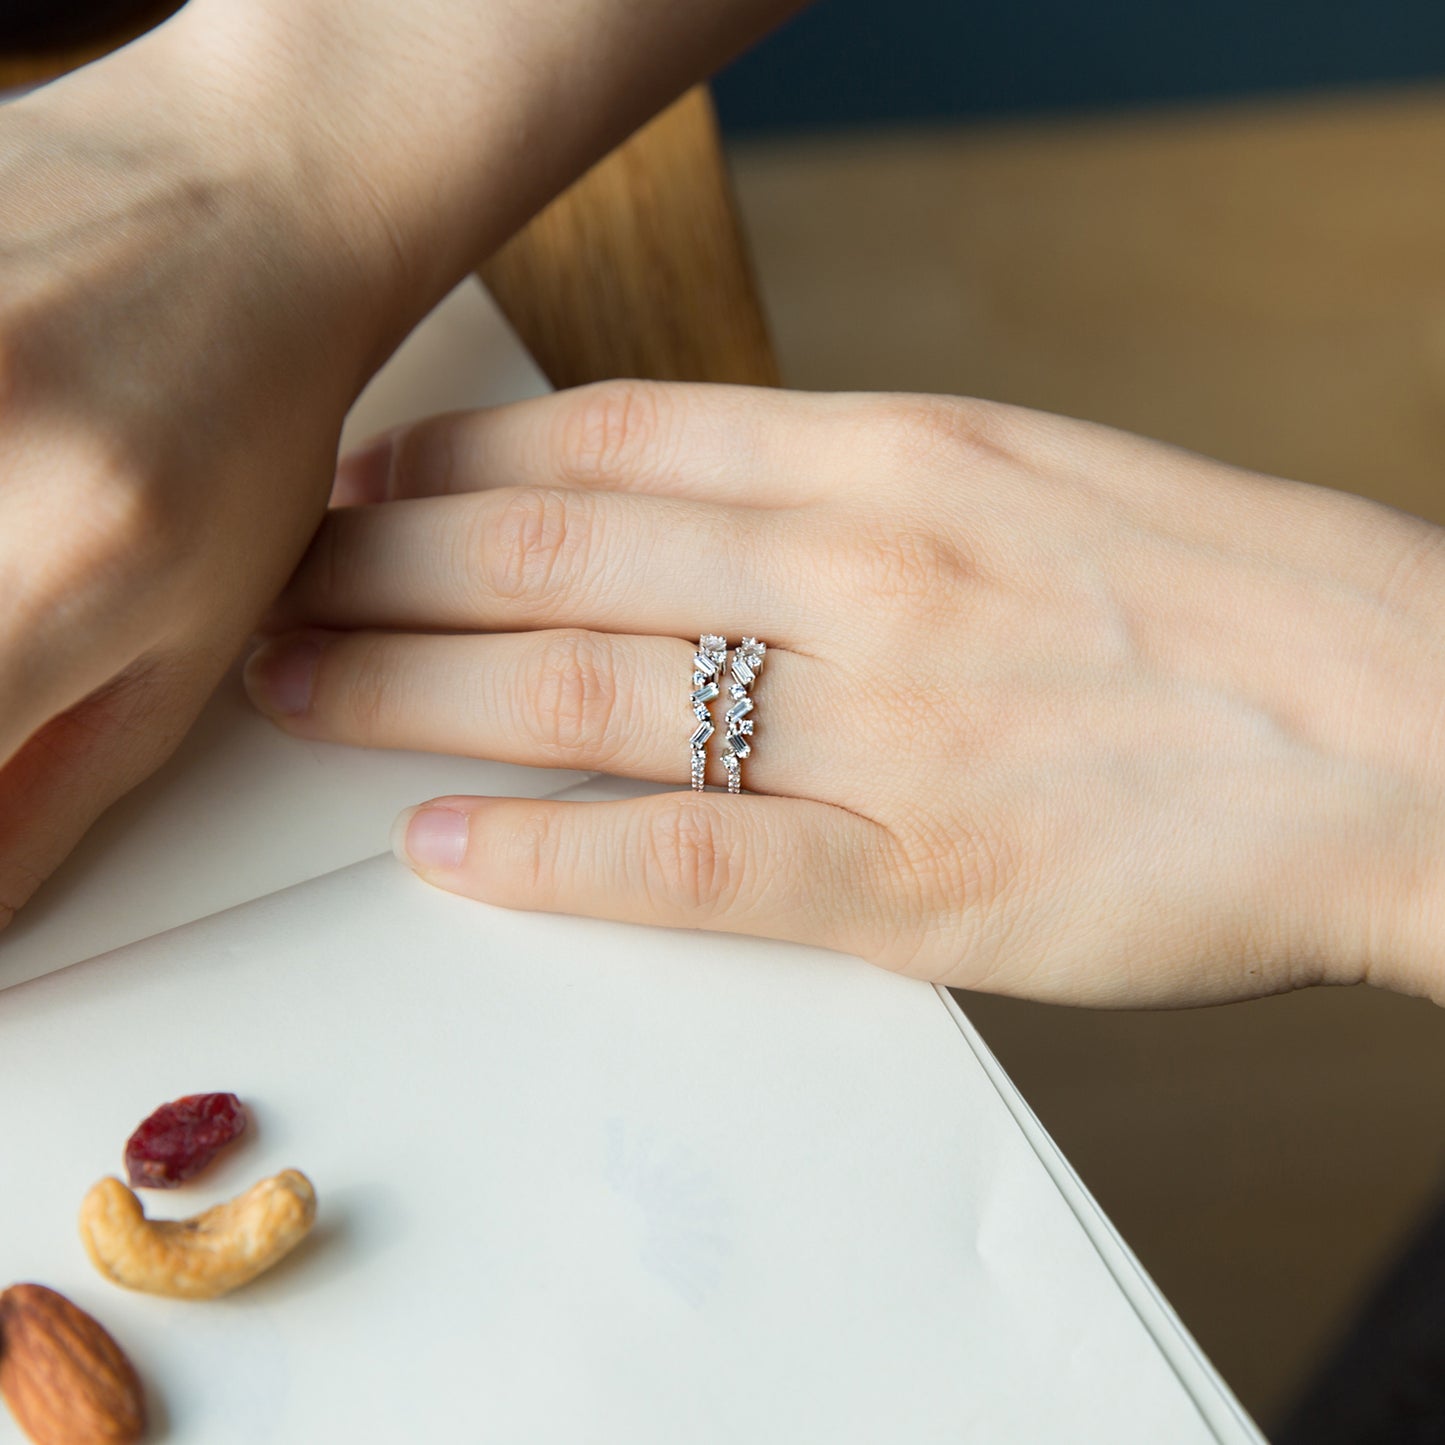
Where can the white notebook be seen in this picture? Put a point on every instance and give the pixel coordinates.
(579, 1182)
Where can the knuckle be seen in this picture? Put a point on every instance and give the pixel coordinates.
(539, 537)
(357, 684)
(570, 697)
(905, 572)
(606, 431)
(922, 430)
(527, 861)
(688, 871)
(122, 524)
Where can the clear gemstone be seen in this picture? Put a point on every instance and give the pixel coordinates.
(730, 762)
(736, 689)
(741, 670)
(700, 712)
(711, 642)
(738, 745)
(704, 664)
(705, 694)
(746, 727)
(739, 709)
(704, 731)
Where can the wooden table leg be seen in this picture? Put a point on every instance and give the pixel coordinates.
(640, 268)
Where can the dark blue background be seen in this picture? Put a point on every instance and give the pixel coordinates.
(867, 61)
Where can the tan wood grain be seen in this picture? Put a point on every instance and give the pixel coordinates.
(640, 269)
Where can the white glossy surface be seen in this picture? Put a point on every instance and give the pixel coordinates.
(578, 1182)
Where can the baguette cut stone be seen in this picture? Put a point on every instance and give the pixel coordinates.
(739, 710)
(706, 693)
(741, 670)
(738, 745)
(705, 664)
(704, 731)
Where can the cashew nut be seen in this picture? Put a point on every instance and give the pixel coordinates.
(199, 1258)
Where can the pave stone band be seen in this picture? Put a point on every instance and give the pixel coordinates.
(747, 664)
(707, 669)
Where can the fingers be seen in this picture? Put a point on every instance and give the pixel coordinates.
(566, 698)
(543, 556)
(744, 445)
(779, 867)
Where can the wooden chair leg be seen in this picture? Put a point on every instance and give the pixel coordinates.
(640, 269)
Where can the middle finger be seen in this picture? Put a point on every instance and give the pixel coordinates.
(528, 557)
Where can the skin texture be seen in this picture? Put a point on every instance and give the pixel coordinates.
(148, 508)
(1047, 710)
(208, 243)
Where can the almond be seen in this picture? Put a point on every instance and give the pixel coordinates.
(65, 1380)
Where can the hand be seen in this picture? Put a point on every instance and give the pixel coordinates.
(1047, 709)
(208, 242)
(177, 350)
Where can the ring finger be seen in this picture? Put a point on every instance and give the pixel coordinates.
(562, 698)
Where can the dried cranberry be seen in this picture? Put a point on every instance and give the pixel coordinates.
(180, 1139)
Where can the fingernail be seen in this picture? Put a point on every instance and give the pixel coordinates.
(279, 676)
(364, 475)
(431, 837)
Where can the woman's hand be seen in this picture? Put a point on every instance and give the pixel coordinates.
(1046, 710)
(208, 241)
(179, 342)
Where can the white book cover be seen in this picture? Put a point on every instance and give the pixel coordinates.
(578, 1181)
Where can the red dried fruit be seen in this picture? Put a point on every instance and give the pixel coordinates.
(181, 1138)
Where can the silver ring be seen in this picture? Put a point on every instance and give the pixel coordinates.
(707, 668)
(747, 664)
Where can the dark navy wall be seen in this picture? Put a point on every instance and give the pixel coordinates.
(864, 61)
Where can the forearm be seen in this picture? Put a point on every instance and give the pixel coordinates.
(426, 133)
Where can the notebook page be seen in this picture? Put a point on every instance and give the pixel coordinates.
(578, 1181)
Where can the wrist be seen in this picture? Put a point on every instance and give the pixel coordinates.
(1385, 719)
(1321, 616)
(184, 153)
(428, 133)
(1408, 886)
